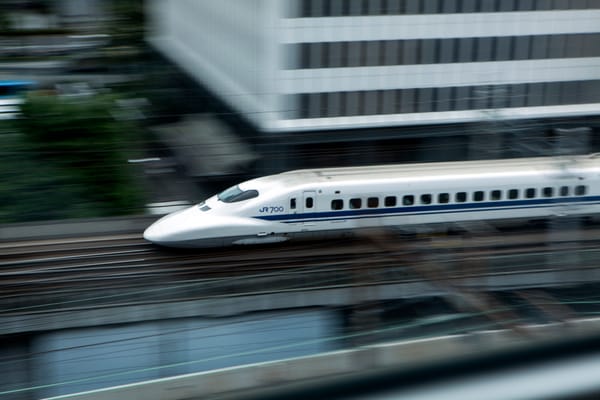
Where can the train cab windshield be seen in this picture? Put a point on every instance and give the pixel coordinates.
(235, 194)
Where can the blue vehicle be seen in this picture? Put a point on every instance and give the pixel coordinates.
(14, 88)
(11, 97)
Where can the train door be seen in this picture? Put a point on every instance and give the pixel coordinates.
(309, 200)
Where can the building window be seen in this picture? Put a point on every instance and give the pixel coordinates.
(352, 103)
(469, 6)
(487, 6)
(410, 52)
(390, 52)
(519, 95)
(425, 99)
(370, 102)
(336, 104)
(539, 47)
(441, 51)
(314, 105)
(407, 103)
(411, 6)
(483, 49)
(372, 57)
(465, 52)
(535, 95)
(449, 6)
(428, 51)
(552, 94)
(521, 48)
(462, 98)
(355, 7)
(339, 8)
(444, 99)
(504, 47)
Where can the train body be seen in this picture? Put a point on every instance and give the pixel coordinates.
(335, 202)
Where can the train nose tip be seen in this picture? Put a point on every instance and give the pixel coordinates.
(153, 234)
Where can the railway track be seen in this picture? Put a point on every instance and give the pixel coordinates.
(107, 270)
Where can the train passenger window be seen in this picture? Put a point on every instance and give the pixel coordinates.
(355, 203)
(390, 201)
(548, 192)
(443, 198)
(337, 204)
(408, 200)
(373, 202)
(513, 194)
(478, 195)
(496, 195)
(530, 193)
(309, 202)
(461, 197)
(425, 199)
(580, 190)
(564, 191)
(293, 203)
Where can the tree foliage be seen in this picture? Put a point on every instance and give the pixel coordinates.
(69, 161)
(128, 22)
(32, 189)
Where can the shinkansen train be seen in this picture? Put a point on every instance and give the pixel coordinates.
(335, 202)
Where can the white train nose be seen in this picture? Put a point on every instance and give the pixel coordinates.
(194, 228)
(170, 227)
(154, 233)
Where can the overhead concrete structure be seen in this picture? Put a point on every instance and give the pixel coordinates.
(206, 147)
(337, 64)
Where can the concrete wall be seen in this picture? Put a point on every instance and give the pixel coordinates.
(65, 228)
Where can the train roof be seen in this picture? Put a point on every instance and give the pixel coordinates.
(437, 169)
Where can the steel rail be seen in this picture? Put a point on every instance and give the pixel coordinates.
(84, 266)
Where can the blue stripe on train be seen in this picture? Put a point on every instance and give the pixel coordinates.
(428, 210)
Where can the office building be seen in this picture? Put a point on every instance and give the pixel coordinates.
(331, 66)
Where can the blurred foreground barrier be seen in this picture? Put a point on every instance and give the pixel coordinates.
(331, 374)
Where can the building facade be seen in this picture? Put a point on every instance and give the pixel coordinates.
(334, 65)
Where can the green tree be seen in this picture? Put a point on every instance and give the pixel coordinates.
(128, 20)
(82, 151)
(32, 190)
(5, 23)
